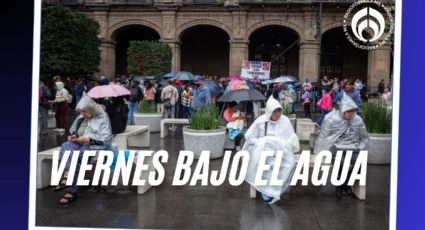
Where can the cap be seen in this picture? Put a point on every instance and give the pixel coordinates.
(198, 78)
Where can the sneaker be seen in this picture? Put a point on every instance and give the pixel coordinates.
(238, 148)
(55, 129)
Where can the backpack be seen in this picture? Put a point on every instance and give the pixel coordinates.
(118, 117)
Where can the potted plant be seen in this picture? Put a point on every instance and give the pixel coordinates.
(148, 115)
(204, 133)
(287, 112)
(377, 118)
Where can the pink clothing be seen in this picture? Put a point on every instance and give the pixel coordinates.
(228, 115)
(326, 102)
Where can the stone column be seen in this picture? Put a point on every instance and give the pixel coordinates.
(238, 53)
(378, 66)
(309, 60)
(175, 50)
(107, 62)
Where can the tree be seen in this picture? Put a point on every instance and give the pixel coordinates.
(69, 42)
(148, 58)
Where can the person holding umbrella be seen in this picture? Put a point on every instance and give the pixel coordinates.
(201, 94)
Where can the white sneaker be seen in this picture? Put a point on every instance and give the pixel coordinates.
(55, 129)
(238, 148)
(61, 130)
(275, 199)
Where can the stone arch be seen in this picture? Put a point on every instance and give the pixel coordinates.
(112, 31)
(276, 22)
(202, 22)
(332, 25)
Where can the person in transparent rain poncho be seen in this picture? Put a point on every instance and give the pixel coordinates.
(271, 131)
(343, 129)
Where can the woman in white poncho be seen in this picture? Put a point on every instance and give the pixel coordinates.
(271, 131)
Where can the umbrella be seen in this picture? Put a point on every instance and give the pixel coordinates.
(242, 95)
(184, 76)
(169, 75)
(213, 86)
(267, 82)
(250, 84)
(108, 91)
(285, 79)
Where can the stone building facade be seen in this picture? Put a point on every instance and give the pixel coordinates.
(235, 22)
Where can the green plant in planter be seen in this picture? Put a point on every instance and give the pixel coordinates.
(376, 116)
(205, 118)
(146, 107)
(286, 109)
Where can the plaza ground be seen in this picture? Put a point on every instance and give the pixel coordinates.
(209, 207)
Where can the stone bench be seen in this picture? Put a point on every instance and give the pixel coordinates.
(44, 170)
(133, 136)
(51, 121)
(358, 190)
(164, 130)
(304, 128)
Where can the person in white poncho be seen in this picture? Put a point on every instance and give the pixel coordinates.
(271, 131)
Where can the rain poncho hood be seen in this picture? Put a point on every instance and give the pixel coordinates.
(99, 126)
(280, 136)
(336, 130)
(59, 85)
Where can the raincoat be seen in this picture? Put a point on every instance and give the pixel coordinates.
(280, 136)
(98, 127)
(338, 131)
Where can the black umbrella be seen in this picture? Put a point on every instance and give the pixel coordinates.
(213, 86)
(242, 95)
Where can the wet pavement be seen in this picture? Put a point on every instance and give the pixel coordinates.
(210, 207)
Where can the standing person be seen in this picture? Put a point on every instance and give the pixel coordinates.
(325, 105)
(91, 130)
(133, 102)
(159, 105)
(62, 100)
(306, 97)
(43, 105)
(78, 90)
(358, 85)
(285, 95)
(178, 110)
(390, 85)
(150, 94)
(118, 114)
(293, 95)
(335, 88)
(201, 94)
(169, 97)
(387, 97)
(274, 132)
(186, 100)
(381, 86)
(349, 90)
(325, 83)
(342, 84)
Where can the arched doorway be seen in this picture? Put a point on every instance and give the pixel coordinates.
(122, 38)
(205, 51)
(276, 44)
(340, 59)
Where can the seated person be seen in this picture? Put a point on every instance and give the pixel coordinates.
(271, 132)
(91, 130)
(235, 124)
(343, 128)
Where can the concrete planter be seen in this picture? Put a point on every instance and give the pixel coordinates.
(305, 127)
(153, 120)
(379, 148)
(312, 141)
(199, 140)
(293, 118)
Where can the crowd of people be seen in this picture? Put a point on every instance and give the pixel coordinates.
(100, 119)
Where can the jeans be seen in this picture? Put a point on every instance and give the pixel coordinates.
(293, 107)
(322, 116)
(169, 112)
(186, 112)
(44, 112)
(71, 146)
(132, 107)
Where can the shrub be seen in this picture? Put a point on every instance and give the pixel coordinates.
(69, 43)
(205, 118)
(146, 107)
(376, 116)
(147, 58)
(286, 109)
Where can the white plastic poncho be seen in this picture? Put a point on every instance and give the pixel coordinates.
(336, 130)
(99, 126)
(280, 136)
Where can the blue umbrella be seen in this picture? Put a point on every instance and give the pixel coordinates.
(169, 75)
(184, 76)
(213, 86)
